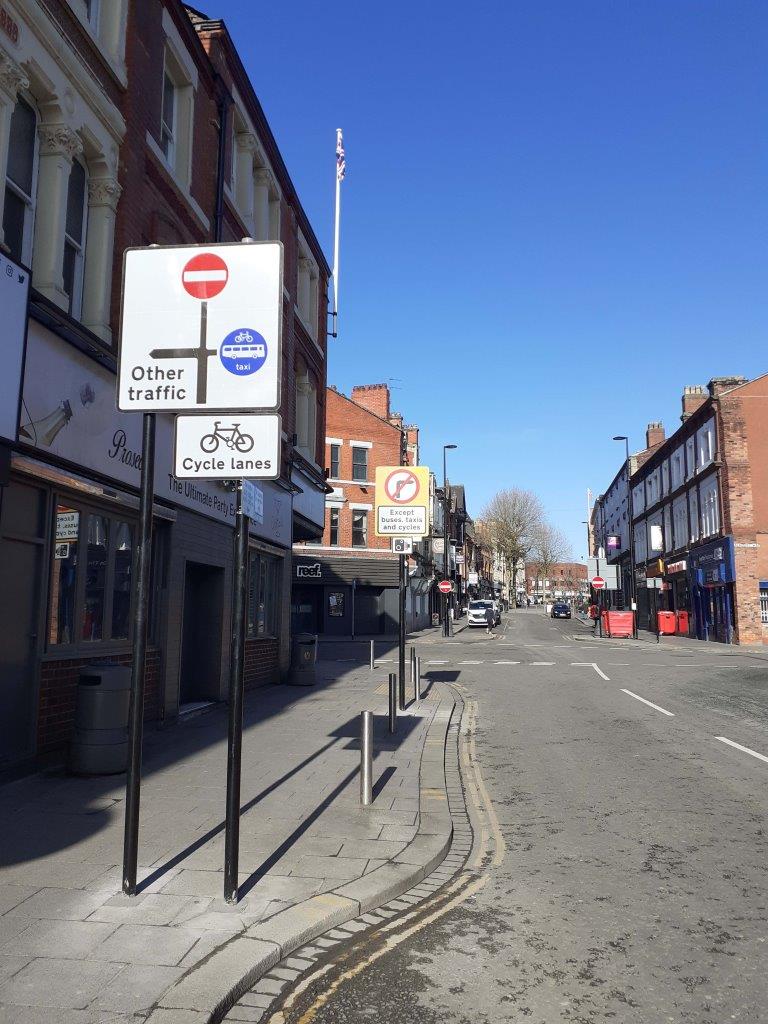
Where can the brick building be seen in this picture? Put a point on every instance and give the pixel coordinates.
(561, 580)
(123, 124)
(700, 510)
(348, 584)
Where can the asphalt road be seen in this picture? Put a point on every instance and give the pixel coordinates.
(634, 884)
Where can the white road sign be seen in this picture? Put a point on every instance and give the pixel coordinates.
(201, 328)
(396, 522)
(227, 446)
(402, 545)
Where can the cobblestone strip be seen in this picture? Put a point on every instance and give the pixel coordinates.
(264, 998)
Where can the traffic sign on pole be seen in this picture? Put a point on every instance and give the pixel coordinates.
(445, 586)
(597, 583)
(201, 328)
(402, 500)
(229, 447)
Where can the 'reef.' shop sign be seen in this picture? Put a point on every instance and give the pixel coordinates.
(309, 572)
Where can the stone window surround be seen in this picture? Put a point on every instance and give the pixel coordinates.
(307, 288)
(108, 31)
(181, 69)
(255, 193)
(60, 139)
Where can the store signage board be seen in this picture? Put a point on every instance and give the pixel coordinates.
(252, 500)
(14, 297)
(201, 328)
(227, 447)
(402, 499)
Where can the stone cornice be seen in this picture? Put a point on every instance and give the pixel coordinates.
(12, 77)
(59, 138)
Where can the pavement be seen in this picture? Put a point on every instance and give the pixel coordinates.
(628, 785)
(75, 950)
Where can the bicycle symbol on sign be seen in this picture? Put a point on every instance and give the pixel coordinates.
(232, 437)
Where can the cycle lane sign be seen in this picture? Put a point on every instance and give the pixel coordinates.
(227, 446)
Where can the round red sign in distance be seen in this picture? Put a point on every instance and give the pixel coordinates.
(445, 586)
(205, 275)
(598, 582)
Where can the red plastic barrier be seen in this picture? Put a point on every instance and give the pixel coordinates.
(683, 623)
(667, 623)
(618, 624)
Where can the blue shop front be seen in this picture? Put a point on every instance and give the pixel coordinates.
(712, 572)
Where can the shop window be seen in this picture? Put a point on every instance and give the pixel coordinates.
(359, 463)
(263, 595)
(19, 208)
(335, 461)
(74, 237)
(359, 528)
(90, 591)
(334, 526)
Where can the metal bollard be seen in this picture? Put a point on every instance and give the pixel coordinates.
(417, 680)
(393, 702)
(373, 657)
(366, 758)
(413, 663)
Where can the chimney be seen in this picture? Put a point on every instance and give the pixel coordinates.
(413, 445)
(694, 395)
(718, 385)
(654, 435)
(373, 397)
(396, 419)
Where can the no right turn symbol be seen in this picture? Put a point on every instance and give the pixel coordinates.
(402, 486)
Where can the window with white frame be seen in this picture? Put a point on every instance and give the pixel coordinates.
(705, 444)
(176, 111)
(665, 477)
(710, 507)
(87, 10)
(638, 498)
(680, 522)
(655, 534)
(678, 468)
(333, 522)
(74, 237)
(693, 506)
(307, 289)
(359, 528)
(335, 467)
(20, 182)
(168, 118)
(690, 457)
(641, 546)
(359, 463)
(668, 528)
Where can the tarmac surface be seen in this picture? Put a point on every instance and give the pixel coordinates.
(629, 784)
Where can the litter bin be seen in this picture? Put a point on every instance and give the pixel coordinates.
(683, 623)
(303, 659)
(667, 623)
(100, 746)
(619, 624)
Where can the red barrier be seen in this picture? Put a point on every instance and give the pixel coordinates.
(618, 624)
(667, 623)
(683, 623)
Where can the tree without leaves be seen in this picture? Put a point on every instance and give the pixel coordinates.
(549, 547)
(509, 524)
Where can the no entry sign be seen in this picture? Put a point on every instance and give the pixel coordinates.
(205, 275)
(598, 583)
(445, 586)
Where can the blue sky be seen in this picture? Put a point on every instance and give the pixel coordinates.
(554, 215)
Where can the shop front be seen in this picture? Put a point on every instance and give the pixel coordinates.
(344, 596)
(679, 590)
(711, 572)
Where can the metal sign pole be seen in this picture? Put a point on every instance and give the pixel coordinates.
(401, 652)
(235, 738)
(139, 650)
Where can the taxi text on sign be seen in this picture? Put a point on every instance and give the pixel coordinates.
(402, 501)
(201, 328)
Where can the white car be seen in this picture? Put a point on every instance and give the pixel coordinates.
(476, 612)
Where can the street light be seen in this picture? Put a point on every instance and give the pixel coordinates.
(632, 591)
(446, 624)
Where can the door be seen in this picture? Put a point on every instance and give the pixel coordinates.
(22, 546)
(305, 609)
(201, 639)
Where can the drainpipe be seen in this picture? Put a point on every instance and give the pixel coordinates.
(224, 106)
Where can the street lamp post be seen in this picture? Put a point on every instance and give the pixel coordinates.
(630, 513)
(446, 623)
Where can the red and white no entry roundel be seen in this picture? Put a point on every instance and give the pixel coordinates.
(445, 586)
(598, 582)
(205, 275)
(402, 486)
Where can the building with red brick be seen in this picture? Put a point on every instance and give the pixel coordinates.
(561, 580)
(127, 124)
(700, 513)
(348, 583)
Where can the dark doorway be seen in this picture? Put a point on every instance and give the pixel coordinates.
(305, 609)
(201, 633)
(22, 546)
(369, 616)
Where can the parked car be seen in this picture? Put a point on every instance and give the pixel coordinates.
(476, 612)
(561, 610)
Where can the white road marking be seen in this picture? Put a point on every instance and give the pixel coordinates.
(542, 663)
(590, 664)
(600, 672)
(506, 663)
(656, 707)
(471, 662)
(433, 662)
(746, 750)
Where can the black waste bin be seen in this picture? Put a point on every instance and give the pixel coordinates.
(100, 746)
(303, 659)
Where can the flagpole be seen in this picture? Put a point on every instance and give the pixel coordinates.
(336, 245)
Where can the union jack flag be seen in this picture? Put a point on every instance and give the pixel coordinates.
(341, 163)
